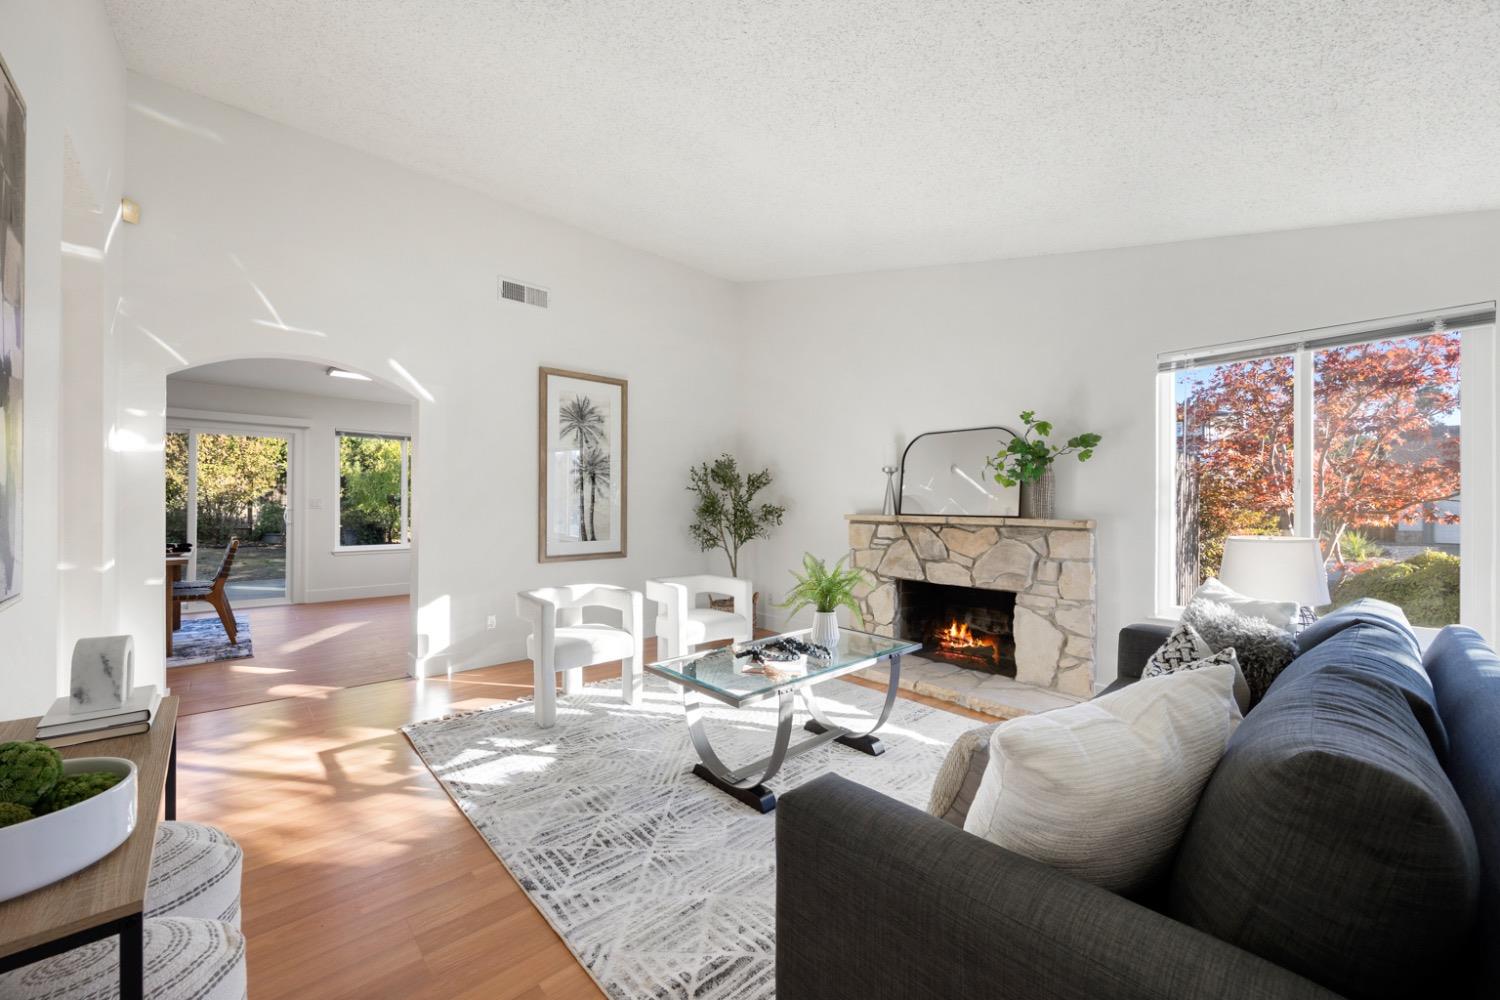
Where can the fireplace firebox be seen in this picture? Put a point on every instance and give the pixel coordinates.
(967, 626)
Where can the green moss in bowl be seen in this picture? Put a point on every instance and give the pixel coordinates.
(75, 788)
(28, 771)
(13, 812)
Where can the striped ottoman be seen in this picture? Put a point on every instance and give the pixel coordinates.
(186, 959)
(195, 872)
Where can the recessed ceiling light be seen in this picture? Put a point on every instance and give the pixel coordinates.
(341, 373)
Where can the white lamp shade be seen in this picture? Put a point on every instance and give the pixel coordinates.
(1276, 568)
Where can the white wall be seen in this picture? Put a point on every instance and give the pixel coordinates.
(72, 78)
(261, 241)
(320, 574)
(864, 362)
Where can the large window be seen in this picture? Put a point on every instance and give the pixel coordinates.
(1350, 435)
(374, 490)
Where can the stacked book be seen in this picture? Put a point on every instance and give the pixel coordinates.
(64, 725)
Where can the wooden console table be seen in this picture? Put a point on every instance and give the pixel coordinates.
(109, 896)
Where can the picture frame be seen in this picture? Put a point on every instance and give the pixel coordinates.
(582, 465)
(12, 322)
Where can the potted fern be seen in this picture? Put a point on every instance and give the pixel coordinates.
(825, 591)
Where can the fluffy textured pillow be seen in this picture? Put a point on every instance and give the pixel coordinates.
(1186, 650)
(1285, 615)
(958, 780)
(1262, 648)
(1103, 790)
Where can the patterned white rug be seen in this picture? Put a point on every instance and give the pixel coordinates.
(661, 885)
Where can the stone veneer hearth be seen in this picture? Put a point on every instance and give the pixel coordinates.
(1049, 565)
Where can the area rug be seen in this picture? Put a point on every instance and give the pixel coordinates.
(203, 640)
(660, 884)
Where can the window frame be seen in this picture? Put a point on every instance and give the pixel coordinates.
(339, 548)
(1477, 459)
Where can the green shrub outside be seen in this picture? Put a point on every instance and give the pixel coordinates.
(270, 519)
(1424, 586)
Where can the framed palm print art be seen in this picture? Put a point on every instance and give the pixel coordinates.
(581, 466)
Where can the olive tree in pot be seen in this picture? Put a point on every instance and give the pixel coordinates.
(727, 515)
(825, 591)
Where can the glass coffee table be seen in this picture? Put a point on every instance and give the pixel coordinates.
(729, 676)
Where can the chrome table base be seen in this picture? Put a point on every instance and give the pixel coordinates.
(748, 783)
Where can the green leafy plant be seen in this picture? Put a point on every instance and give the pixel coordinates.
(28, 771)
(1356, 547)
(1029, 454)
(270, 519)
(726, 515)
(825, 589)
(75, 788)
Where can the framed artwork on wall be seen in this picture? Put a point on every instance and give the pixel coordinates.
(12, 315)
(581, 466)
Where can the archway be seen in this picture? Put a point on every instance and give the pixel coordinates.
(336, 615)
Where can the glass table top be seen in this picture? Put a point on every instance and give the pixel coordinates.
(739, 680)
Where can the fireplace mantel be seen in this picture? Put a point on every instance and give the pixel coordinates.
(1048, 564)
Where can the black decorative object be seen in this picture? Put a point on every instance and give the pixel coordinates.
(784, 649)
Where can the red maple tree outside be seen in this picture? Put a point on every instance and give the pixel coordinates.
(1385, 434)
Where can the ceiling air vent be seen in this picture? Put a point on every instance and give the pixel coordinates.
(517, 292)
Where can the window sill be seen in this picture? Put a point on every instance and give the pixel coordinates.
(365, 550)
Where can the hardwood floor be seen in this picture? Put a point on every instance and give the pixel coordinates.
(303, 650)
(362, 879)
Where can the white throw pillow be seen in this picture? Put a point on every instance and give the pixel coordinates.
(1103, 790)
(1185, 649)
(1285, 615)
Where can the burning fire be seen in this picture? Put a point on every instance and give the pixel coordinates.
(960, 640)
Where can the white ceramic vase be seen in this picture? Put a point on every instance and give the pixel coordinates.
(825, 630)
(38, 852)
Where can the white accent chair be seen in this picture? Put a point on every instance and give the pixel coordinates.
(562, 642)
(681, 624)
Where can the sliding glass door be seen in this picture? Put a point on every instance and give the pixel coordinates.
(231, 483)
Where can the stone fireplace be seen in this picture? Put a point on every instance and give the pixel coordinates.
(1007, 597)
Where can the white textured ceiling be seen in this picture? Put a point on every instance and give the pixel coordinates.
(290, 376)
(788, 137)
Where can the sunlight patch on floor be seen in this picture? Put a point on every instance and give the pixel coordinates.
(320, 691)
(322, 635)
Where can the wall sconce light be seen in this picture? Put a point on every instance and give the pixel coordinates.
(130, 211)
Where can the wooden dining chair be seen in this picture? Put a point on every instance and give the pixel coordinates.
(212, 592)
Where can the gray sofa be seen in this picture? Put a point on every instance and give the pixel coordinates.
(1348, 845)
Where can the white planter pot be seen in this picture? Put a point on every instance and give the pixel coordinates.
(825, 630)
(46, 848)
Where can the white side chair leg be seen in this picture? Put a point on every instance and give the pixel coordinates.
(546, 695)
(572, 680)
(633, 684)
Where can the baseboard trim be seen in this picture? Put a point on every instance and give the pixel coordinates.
(326, 594)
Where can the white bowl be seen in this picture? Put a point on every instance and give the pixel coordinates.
(46, 848)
